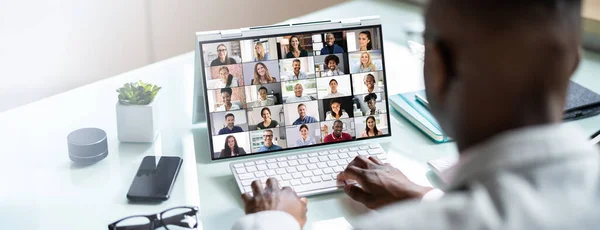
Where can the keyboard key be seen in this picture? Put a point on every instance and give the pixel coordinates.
(343, 150)
(248, 189)
(297, 175)
(295, 182)
(307, 174)
(313, 154)
(331, 164)
(281, 159)
(293, 162)
(375, 151)
(260, 174)
(363, 153)
(320, 185)
(284, 184)
(352, 154)
(326, 177)
(313, 160)
(249, 163)
(349, 160)
(251, 169)
(343, 155)
(305, 181)
(278, 177)
(354, 149)
(260, 162)
(291, 169)
(338, 169)
(283, 164)
(317, 172)
(292, 157)
(261, 167)
(334, 151)
(322, 165)
(280, 171)
(303, 161)
(246, 176)
(303, 156)
(374, 146)
(273, 165)
(238, 165)
(247, 182)
(323, 158)
(363, 147)
(286, 176)
(328, 170)
(316, 179)
(270, 172)
(240, 170)
(334, 157)
(342, 162)
(301, 168)
(323, 153)
(271, 160)
(382, 157)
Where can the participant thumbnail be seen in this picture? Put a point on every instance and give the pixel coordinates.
(295, 46)
(297, 68)
(363, 39)
(304, 135)
(265, 117)
(230, 145)
(372, 126)
(331, 65)
(334, 43)
(258, 73)
(338, 130)
(299, 91)
(331, 87)
(221, 53)
(336, 108)
(301, 113)
(268, 140)
(263, 95)
(255, 50)
(365, 61)
(229, 122)
(364, 83)
(225, 76)
(226, 99)
(370, 104)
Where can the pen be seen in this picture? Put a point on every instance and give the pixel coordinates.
(422, 101)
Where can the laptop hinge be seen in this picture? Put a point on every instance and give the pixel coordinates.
(351, 22)
(231, 33)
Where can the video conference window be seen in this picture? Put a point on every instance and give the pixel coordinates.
(265, 117)
(225, 76)
(363, 40)
(331, 65)
(268, 140)
(226, 99)
(264, 49)
(299, 91)
(258, 73)
(369, 104)
(365, 83)
(304, 135)
(331, 87)
(333, 43)
(225, 53)
(301, 113)
(297, 69)
(336, 108)
(229, 122)
(372, 126)
(295, 46)
(365, 61)
(338, 130)
(263, 95)
(231, 145)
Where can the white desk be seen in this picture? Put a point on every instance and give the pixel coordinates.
(42, 189)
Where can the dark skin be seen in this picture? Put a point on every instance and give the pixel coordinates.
(510, 71)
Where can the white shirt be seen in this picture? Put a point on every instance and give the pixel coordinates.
(331, 117)
(234, 83)
(544, 177)
(301, 75)
(293, 99)
(330, 73)
(233, 107)
(332, 95)
(261, 103)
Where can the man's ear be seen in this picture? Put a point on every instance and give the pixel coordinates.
(437, 72)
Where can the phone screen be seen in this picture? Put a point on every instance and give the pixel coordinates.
(154, 180)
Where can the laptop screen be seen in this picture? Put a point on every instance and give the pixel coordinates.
(288, 91)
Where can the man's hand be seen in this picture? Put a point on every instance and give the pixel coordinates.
(381, 183)
(273, 198)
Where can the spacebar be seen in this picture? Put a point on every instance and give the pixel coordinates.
(319, 185)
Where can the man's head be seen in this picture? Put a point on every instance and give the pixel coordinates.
(332, 61)
(499, 65)
(301, 111)
(330, 39)
(333, 84)
(268, 137)
(230, 120)
(298, 90)
(296, 65)
(262, 92)
(337, 128)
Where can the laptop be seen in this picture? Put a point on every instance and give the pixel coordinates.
(304, 99)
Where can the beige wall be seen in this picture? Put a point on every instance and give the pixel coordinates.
(48, 47)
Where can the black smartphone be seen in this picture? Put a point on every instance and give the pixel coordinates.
(154, 180)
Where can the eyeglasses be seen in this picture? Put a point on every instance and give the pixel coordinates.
(268, 136)
(222, 50)
(183, 217)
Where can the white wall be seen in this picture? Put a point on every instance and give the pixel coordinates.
(48, 47)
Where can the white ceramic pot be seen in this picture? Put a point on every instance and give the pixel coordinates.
(138, 123)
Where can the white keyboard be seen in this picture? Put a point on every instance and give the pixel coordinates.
(307, 173)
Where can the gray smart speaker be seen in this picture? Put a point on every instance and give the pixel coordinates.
(87, 145)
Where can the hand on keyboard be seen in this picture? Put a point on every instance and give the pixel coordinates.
(272, 197)
(380, 184)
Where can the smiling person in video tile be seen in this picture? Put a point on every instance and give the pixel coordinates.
(223, 58)
(337, 134)
(268, 139)
(231, 148)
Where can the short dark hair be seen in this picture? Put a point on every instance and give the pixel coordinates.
(261, 88)
(296, 60)
(229, 115)
(301, 105)
(335, 58)
(226, 90)
(336, 121)
(303, 126)
(371, 96)
(263, 111)
(332, 80)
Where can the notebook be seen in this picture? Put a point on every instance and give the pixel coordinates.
(419, 116)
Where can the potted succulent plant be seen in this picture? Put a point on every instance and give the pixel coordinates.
(137, 115)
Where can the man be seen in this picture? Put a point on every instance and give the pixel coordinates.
(303, 118)
(371, 100)
(226, 97)
(496, 77)
(298, 89)
(330, 46)
(262, 99)
(231, 127)
(337, 134)
(332, 62)
(296, 74)
(333, 85)
(268, 139)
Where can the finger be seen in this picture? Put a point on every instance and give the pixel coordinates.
(357, 194)
(361, 162)
(376, 160)
(352, 173)
(288, 189)
(272, 184)
(304, 200)
(257, 188)
(246, 197)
